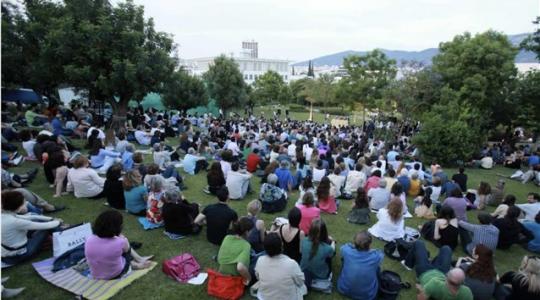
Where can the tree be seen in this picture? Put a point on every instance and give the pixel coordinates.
(449, 133)
(320, 91)
(113, 52)
(297, 90)
(532, 42)
(310, 72)
(269, 88)
(481, 70)
(225, 83)
(183, 91)
(527, 96)
(368, 76)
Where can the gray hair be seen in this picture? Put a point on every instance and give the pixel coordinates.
(172, 194)
(382, 183)
(156, 183)
(272, 179)
(130, 148)
(191, 150)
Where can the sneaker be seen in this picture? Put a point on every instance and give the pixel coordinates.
(405, 265)
(19, 159)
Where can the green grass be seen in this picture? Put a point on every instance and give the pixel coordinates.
(355, 116)
(156, 285)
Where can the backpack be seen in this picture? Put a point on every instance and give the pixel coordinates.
(181, 268)
(397, 249)
(390, 284)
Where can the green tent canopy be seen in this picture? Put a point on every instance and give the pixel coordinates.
(152, 100)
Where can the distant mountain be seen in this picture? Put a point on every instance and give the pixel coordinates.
(423, 56)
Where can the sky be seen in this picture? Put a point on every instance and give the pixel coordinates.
(303, 29)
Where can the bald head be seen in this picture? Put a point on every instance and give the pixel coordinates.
(455, 277)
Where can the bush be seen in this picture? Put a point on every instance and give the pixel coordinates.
(449, 133)
(293, 107)
(335, 111)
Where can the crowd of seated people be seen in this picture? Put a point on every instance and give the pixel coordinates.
(327, 165)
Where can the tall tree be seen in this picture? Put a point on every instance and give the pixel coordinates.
(481, 69)
(320, 91)
(183, 91)
(297, 87)
(527, 94)
(368, 76)
(268, 88)
(225, 83)
(310, 72)
(532, 42)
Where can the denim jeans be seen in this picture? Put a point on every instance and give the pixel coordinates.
(32, 247)
(418, 258)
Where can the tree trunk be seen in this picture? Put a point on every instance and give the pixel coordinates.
(119, 118)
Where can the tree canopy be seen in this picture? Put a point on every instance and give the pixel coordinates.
(183, 91)
(269, 88)
(225, 83)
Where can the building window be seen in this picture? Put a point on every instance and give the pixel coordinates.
(250, 76)
(285, 77)
(245, 76)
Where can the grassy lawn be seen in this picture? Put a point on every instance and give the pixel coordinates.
(156, 285)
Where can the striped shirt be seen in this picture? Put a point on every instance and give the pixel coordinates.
(488, 235)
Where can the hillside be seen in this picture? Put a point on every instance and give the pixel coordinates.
(423, 56)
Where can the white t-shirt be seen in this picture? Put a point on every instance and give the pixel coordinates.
(142, 137)
(355, 179)
(529, 209)
(28, 146)
(386, 229)
(318, 174)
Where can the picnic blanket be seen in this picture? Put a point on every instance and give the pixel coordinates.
(85, 287)
(147, 225)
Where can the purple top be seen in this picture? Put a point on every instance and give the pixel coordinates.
(104, 256)
(459, 205)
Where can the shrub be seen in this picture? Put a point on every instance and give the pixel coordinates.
(449, 133)
(335, 111)
(293, 107)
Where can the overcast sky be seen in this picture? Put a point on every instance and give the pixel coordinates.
(304, 29)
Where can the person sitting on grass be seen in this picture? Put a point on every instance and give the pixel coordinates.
(416, 185)
(306, 187)
(285, 177)
(397, 192)
(337, 181)
(257, 234)
(458, 203)
(154, 203)
(234, 253)
(525, 282)
(84, 181)
(532, 207)
(359, 213)
(390, 225)
(431, 275)
(135, 193)
(473, 234)
(444, 230)
(355, 179)
(326, 202)
(23, 234)
(279, 276)
(237, 182)
(480, 274)
(318, 249)
(309, 211)
(215, 178)
(424, 204)
(113, 189)
(379, 196)
(178, 214)
(138, 164)
(501, 210)
(194, 163)
(102, 159)
(218, 218)
(373, 181)
(360, 268)
(108, 252)
(511, 231)
(291, 234)
(272, 197)
(534, 228)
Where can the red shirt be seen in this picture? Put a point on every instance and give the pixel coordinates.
(252, 162)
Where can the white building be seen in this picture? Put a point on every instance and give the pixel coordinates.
(250, 65)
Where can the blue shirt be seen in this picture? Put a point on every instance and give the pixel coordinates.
(127, 161)
(317, 265)
(534, 228)
(284, 178)
(135, 201)
(57, 126)
(358, 279)
(405, 182)
(448, 187)
(534, 160)
(391, 156)
(99, 160)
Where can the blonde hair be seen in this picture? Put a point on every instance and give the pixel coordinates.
(395, 210)
(132, 179)
(254, 207)
(530, 273)
(80, 162)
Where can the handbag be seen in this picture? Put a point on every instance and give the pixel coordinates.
(397, 249)
(181, 268)
(390, 284)
(68, 239)
(225, 287)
